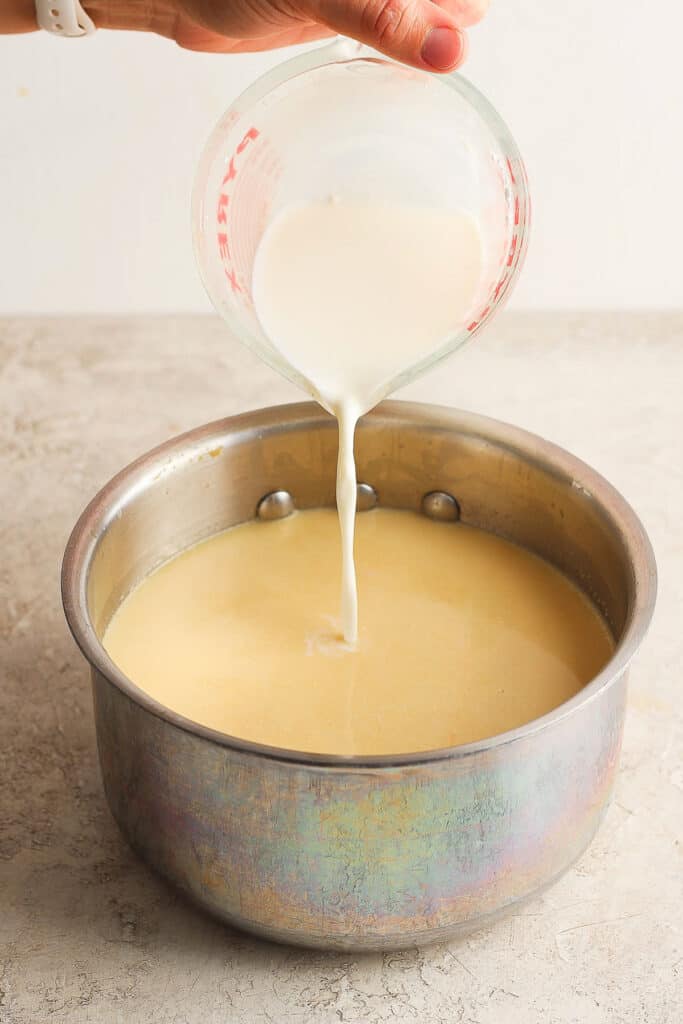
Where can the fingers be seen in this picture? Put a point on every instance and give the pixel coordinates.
(416, 32)
(424, 33)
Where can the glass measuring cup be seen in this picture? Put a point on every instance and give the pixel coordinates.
(342, 122)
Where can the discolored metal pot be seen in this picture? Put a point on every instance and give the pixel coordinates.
(365, 852)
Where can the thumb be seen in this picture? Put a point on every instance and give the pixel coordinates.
(416, 32)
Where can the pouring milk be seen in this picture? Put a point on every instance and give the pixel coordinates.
(352, 295)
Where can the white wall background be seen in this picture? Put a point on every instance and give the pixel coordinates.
(99, 140)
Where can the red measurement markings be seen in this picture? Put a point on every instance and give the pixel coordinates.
(499, 287)
(231, 172)
(231, 277)
(223, 247)
(510, 261)
(250, 136)
(222, 210)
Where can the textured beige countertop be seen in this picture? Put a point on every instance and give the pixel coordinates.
(87, 933)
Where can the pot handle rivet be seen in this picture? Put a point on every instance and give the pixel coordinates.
(276, 505)
(441, 506)
(366, 497)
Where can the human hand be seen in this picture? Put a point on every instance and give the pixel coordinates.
(423, 33)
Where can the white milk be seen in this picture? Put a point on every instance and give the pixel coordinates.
(352, 295)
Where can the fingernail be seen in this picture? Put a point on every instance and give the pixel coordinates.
(442, 49)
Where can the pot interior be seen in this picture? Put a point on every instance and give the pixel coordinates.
(505, 481)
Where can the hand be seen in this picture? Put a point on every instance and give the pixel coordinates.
(422, 33)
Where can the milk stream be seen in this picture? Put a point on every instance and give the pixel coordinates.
(353, 294)
(346, 505)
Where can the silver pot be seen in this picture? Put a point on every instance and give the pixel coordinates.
(363, 852)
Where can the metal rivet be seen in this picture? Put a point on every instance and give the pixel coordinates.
(276, 505)
(366, 497)
(441, 506)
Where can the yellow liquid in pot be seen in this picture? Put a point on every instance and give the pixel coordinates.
(463, 635)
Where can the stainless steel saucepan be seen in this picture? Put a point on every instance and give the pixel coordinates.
(359, 852)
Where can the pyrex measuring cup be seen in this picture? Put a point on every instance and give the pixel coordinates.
(341, 122)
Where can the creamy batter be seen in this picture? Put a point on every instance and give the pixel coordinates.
(462, 635)
(353, 295)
